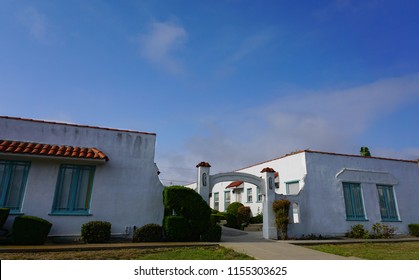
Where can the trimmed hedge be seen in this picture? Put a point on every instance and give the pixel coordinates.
(186, 203)
(231, 217)
(96, 232)
(243, 215)
(4, 214)
(213, 234)
(148, 233)
(30, 230)
(177, 228)
(414, 229)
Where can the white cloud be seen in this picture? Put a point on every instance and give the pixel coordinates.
(35, 22)
(161, 42)
(327, 121)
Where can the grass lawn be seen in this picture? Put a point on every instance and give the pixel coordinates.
(373, 251)
(179, 253)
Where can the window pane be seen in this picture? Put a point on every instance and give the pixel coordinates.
(353, 201)
(293, 188)
(73, 188)
(387, 203)
(216, 200)
(13, 175)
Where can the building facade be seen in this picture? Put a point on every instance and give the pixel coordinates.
(331, 192)
(70, 174)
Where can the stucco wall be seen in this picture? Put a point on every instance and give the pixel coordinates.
(322, 206)
(126, 189)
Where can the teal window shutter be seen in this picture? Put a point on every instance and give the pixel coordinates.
(13, 177)
(387, 202)
(354, 206)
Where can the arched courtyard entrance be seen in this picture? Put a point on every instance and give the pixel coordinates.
(206, 183)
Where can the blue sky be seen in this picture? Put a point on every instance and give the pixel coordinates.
(231, 82)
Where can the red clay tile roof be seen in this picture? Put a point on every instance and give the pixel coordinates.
(267, 169)
(203, 164)
(29, 148)
(234, 184)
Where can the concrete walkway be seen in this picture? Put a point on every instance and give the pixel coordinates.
(253, 244)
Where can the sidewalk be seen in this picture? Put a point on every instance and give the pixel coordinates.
(250, 243)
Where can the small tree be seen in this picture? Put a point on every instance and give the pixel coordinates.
(282, 208)
(365, 152)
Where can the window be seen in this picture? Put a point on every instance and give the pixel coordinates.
(387, 202)
(293, 187)
(295, 213)
(259, 195)
(13, 176)
(216, 201)
(227, 199)
(74, 189)
(249, 195)
(353, 201)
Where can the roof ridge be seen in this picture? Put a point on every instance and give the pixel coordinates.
(75, 125)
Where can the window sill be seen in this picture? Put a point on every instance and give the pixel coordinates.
(391, 221)
(69, 214)
(16, 213)
(357, 220)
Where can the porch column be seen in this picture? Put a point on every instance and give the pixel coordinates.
(203, 181)
(269, 227)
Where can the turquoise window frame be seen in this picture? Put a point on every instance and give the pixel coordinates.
(354, 202)
(217, 201)
(13, 184)
(387, 203)
(249, 195)
(73, 189)
(225, 199)
(258, 195)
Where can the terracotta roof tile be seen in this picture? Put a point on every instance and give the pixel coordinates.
(20, 147)
(234, 184)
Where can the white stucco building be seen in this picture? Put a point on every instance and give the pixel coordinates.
(331, 192)
(70, 174)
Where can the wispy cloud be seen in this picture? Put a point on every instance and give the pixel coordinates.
(161, 42)
(327, 121)
(35, 22)
(247, 47)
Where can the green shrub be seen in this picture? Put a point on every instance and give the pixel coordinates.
(358, 231)
(414, 229)
(4, 214)
(258, 219)
(148, 233)
(234, 207)
(231, 220)
(281, 208)
(213, 234)
(243, 215)
(382, 231)
(216, 218)
(96, 232)
(188, 204)
(176, 228)
(30, 230)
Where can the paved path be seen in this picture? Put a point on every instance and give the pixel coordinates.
(253, 244)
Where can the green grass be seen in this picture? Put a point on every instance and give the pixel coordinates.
(373, 251)
(179, 253)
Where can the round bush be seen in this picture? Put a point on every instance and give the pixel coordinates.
(30, 230)
(148, 233)
(234, 207)
(96, 232)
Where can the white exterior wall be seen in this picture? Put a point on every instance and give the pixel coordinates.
(126, 190)
(322, 205)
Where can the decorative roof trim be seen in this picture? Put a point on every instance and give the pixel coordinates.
(49, 150)
(74, 125)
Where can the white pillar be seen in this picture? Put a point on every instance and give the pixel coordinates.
(203, 180)
(269, 227)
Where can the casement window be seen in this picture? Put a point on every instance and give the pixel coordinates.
(354, 205)
(13, 177)
(293, 187)
(249, 195)
(259, 195)
(73, 190)
(227, 199)
(216, 201)
(387, 201)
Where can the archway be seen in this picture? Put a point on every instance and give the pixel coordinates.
(206, 183)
